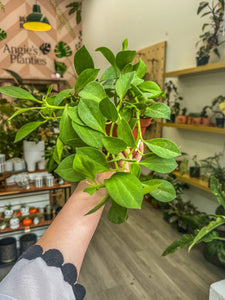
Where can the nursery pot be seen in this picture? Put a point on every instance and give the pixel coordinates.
(205, 121)
(196, 120)
(201, 61)
(172, 118)
(182, 119)
(48, 215)
(8, 252)
(220, 122)
(26, 241)
(194, 172)
(33, 154)
(144, 124)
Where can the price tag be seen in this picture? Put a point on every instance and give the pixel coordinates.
(27, 229)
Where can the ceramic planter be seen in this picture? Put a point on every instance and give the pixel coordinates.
(33, 154)
(201, 61)
(196, 120)
(8, 213)
(26, 241)
(14, 223)
(182, 119)
(205, 121)
(8, 252)
(220, 122)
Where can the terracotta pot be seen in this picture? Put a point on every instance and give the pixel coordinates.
(205, 121)
(196, 120)
(190, 120)
(144, 124)
(182, 119)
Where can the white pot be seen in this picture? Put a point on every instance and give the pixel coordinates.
(8, 213)
(34, 154)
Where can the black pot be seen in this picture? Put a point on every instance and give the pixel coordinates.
(194, 172)
(201, 61)
(8, 252)
(48, 217)
(26, 241)
(220, 122)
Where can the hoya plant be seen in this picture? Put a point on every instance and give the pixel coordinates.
(96, 122)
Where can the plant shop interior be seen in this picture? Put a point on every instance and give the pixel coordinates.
(77, 78)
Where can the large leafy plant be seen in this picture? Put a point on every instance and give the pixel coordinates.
(89, 114)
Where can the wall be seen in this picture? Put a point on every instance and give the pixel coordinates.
(146, 22)
(22, 50)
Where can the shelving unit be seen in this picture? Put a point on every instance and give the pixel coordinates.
(194, 127)
(26, 228)
(197, 70)
(201, 183)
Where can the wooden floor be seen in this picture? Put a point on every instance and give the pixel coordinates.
(124, 262)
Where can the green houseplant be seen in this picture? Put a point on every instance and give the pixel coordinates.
(209, 40)
(88, 115)
(194, 170)
(173, 99)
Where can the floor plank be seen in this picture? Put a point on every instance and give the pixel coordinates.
(124, 262)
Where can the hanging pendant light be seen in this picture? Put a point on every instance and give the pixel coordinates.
(36, 21)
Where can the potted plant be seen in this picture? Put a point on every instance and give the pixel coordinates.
(205, 120)
(194, 171)
(48, 215)
(207, 232)
(209, 40)
(218, 106)
(194, 119)
(119, 98)
(8, 211)
(212, 167)
(182, 118)
(173, 99)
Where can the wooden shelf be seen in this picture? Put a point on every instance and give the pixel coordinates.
(210, 68)
(26, 228)
(14, 189)
(201, 183)
(195, 128)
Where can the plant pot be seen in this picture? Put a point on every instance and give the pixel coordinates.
(144, 124)
(33, 154)
(172, 118)
(182, 119)
(26, 241)
(196, 120)
(220, 122)
(194, 172)
(190, 120)
(205, 121)
(201, 61)
(8, 252)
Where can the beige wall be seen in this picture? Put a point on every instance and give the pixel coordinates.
(146, 22)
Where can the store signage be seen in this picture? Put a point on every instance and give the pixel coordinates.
(27, 55)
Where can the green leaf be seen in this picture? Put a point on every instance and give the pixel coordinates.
(183, 242)
(22, 110)
(151, 87)
(221, 252)
(124, 83)
(83, 60)
(66, 171)
(149, 186)
(55, 156)
(125, 57)
(62, 49)
(16, 92)
(124, 133)
(117, 214)
(109, 56)
(163, 147)
(93, 91)
(90, 190)
(27, 129)
(216, 189)
(96, 157)
(108, 109)
(59, 147)
(125, 189)
(15, 76)
(109, 73)
(159, 164)
(84, 167)
(135, 169)
(73, 114)
(211, 248)
(90, 114)
(206, 229)
(99, 205)
(140, 68)
(89, 136)
(125, 44)
(85, 77)
(158, 110)
(67, 133)
(114, 145)
(60, 97)
(165, 192)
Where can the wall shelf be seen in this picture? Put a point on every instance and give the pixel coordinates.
(201, 183)
(195, 128)
(210, 68)
(27, 228)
